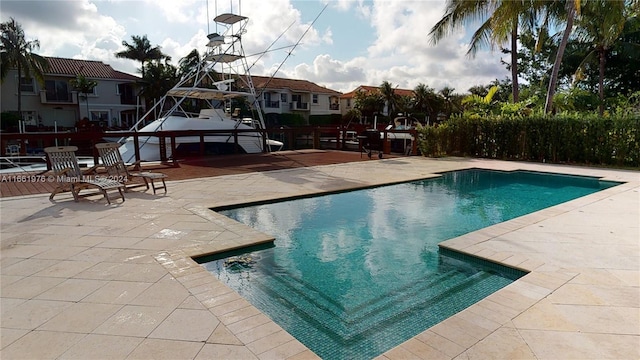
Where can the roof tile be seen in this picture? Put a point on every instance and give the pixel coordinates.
(88, 68)
(261, 82)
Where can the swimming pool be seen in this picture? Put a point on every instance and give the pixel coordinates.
(354, 274)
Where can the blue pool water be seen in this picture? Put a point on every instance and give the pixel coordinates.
(354, 274)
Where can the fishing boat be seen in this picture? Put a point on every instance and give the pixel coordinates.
(217, 96)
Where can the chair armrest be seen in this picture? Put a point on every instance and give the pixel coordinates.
(91, 170)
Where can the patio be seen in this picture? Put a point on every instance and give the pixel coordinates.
(95, 281)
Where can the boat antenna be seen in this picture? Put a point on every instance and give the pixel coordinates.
(293, 48)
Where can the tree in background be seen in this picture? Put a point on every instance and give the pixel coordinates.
(189, 63)
(159, 78)
(598, 30)
(501, 20)
(141, 50)
(16, 52)
(388, 93)
(368, 103)
(85, 87)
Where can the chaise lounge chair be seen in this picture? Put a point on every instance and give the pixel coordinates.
(116, 168)
(69, 177)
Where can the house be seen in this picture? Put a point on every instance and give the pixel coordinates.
(291, 96)
(347, 101)
(113, 103)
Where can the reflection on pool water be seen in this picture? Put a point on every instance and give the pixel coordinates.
(354, 274)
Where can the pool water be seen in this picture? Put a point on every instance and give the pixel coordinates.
(354, 274)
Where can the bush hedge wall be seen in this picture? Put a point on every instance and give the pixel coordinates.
(560, 139)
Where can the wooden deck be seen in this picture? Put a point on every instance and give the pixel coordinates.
(20, 184)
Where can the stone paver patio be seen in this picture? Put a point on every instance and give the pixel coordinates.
(94, 281)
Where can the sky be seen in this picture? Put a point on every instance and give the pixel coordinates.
(352, 42)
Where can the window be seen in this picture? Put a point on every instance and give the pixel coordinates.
(348, 103)
(127, 94)
(29, 117)
(283, 98)
(27, 85)
(57, 91)
(100, 115)
(315, 98)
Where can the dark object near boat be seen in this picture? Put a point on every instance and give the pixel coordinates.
(370, 140)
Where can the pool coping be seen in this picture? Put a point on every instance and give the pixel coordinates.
(507, 314)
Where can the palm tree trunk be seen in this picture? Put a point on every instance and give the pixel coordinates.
(20, 94)
(86, 99)
(603, 59)
(556, 65)
(514, 61)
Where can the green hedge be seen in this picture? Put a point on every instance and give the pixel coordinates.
(559, 139)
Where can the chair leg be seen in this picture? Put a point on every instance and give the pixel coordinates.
(121, 193)
(106, 196)
(153, 184)
(75, 192)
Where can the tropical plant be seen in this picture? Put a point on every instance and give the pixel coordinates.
(477, 105)
(16, 52)
(571, 7)
(159, 78)
(388, 93)
(141, 50)
(85, 87)
(368, 103)
(189, 63)
(599, 28)
(423, 97)
(501, 19)
(450, 100)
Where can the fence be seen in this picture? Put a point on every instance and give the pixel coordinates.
(32, 143)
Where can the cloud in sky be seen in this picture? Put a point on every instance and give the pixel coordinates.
(353, 42)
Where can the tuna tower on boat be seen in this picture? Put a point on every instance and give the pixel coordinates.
(216, 95)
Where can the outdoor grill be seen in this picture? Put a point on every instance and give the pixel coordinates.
(370, 140)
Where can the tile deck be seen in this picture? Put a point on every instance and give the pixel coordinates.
(95, 281)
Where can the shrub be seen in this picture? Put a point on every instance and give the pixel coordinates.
(565, 138)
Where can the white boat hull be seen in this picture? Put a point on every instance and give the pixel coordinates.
(249, 142)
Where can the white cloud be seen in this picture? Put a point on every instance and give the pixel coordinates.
(399, 52)
(402, 54)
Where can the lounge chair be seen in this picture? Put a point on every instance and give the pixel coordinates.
(116, 168)
(69, 177)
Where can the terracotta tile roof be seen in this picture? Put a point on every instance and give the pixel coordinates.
(89, 68)
(291, 84)
(368, 89)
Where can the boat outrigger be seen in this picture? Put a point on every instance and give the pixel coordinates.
(217, 95)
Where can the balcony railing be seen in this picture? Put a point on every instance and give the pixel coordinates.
(334, 107)
(58, 97)
(299, 106)
(272, 104)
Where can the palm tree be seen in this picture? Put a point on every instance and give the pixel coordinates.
(159, 79)
(501, 20)
(571, 7)
(422, 95)
(16, 52)
(141, 50)
(84, 86)
(189, 63)
(389, 94)
(600, 26)
(447, 94)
